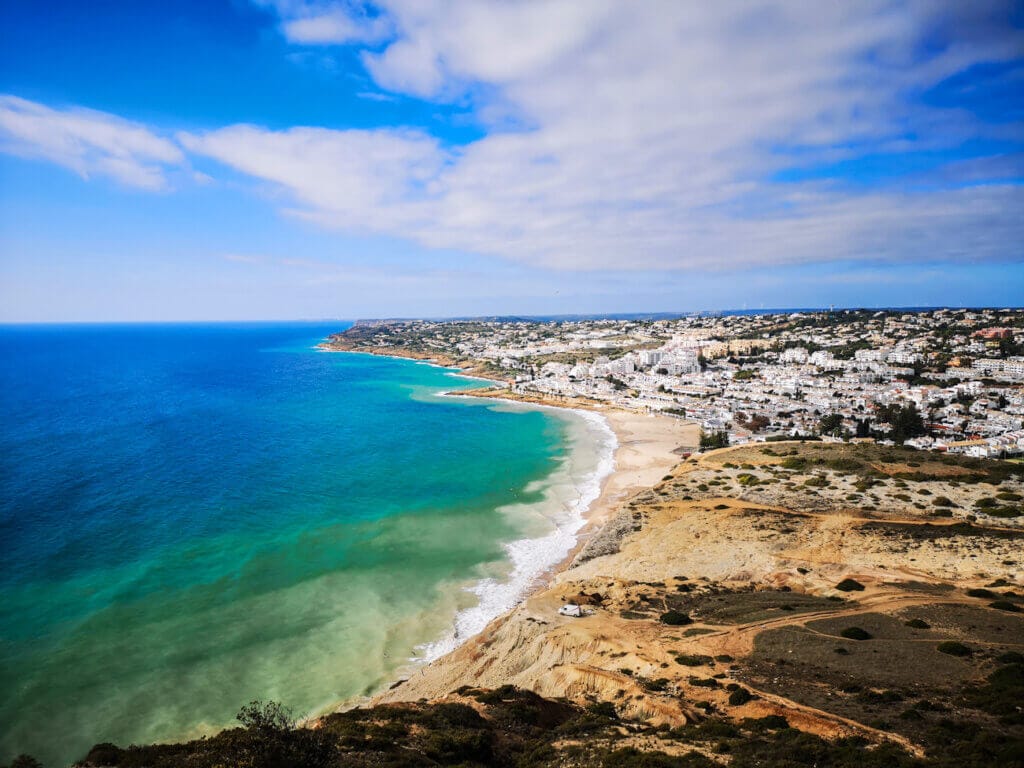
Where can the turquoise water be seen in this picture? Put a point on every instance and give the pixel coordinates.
(196, 516)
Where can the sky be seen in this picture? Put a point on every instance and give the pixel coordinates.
(305, 159)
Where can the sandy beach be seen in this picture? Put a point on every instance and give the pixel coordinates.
(649, 445)
(703, 538)
(751, 551)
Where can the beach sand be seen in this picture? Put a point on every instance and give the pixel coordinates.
(648, 448)
(682, 548)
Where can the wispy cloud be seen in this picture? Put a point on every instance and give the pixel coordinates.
(243, 258)
(88, 142)
(340, 176)
(647, 135)
(375, 96)
(654, 133)
(308, 22)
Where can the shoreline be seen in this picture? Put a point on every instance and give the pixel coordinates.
(534, 558)
(439, 361)
(646, 447)
(642, 456)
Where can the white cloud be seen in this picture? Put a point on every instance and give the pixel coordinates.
(647, 134)
(442, 45)
(354, 179)
(309, 22)
(334, 28)
(243, 258)
(88, 142)
(653, 133)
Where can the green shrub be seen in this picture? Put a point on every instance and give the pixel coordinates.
(917, 624)
(953, 648)
(880, 697)
(850, 585)
(855, 633)
(1004, 605)
(658, 685)
(1006, 511)
(704, 682)
(1002, 694)
(739, 697)
(603, 709)
(768, 723)
(675, 618)
(981, 593)
(631, 757)
(693, 661)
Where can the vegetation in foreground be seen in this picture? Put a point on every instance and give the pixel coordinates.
(512, 727)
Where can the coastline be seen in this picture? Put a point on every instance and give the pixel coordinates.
(797, 588)
(644, 448)
(765, 576)
(471, 369)
(568, 492)
(645, 451)
(647, 447)
(732, 592)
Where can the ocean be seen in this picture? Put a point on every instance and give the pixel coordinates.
(195, 516)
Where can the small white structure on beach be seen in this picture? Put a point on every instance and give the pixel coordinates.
(571, 609)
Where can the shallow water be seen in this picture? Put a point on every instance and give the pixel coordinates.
(196, 516)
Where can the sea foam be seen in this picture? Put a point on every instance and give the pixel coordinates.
(568, 493)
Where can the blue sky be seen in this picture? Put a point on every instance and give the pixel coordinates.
(285, 159)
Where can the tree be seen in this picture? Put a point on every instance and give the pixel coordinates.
(832, 424)
(905, 422)
(617, 384)
(717, 439)
(755, 422)
(265, 717)
(274, 741)
(1008, 347)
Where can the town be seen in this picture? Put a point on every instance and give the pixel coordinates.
(947, 379)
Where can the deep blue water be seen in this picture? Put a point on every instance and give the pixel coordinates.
(193, 516)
